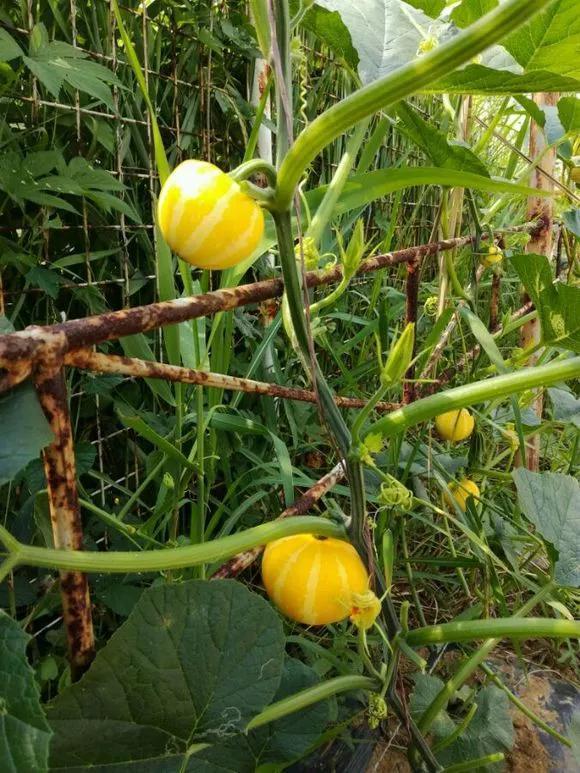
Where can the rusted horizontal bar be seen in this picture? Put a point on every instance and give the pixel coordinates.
(89, 331)
(128, 366)
(242, 561)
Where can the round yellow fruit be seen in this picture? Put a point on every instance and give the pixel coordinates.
(461, 491)
(206, 218)
(313, 580)
(494, 255)
(455, 425)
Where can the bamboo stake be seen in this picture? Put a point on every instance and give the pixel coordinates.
(539, 208)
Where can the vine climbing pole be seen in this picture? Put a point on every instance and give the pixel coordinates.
(540, 208)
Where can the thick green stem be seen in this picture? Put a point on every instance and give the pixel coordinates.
(171, 558)
(500, 628)
(405, 81)
(470, 665)
(469, 394)
(305, 698)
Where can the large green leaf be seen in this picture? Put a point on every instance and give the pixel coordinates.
(331, 30)
(557, 303)
(390, 33)
(279, 742)
(25, 430)
(550, 40)
(551, 501)
(24, 731)
(364, 188)
(55, 63)
(192, 664)
(489, 731)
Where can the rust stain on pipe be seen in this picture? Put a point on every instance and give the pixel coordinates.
(60, 469)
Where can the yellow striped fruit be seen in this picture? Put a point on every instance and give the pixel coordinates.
(455, 426)
(313, 580)
(461, 491)
(494, 255)
(206, 218)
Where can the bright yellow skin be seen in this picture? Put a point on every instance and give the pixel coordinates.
(313, 580)
(206, 218)
(455, 426)
(461, 491)
(494, 255)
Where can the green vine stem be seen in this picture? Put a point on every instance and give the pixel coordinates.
(521, 706)
(398, 85)
(499, 628)
(310, 695)
(255, 165)
(469, 394)
(162, 560)
(470, 665)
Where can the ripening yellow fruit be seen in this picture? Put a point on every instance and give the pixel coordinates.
(494, 255)
(455, 425)
(461, 491)
(206, 218)
(313, 580)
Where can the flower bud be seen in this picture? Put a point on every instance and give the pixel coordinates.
(400, 357)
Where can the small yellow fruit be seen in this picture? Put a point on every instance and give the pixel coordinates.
(313, 579)
(461, 491)
(494, 255)
(455, 425)
(206, 218)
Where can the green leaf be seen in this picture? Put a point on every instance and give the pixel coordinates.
(137, 346)
(25, 430)
(550, 41)
(9, 48)
(24, 730)
(440, 151)
(566, 406)
(331, 30)
(55, 63)
(557, 303)
(551, 501)
(193, 663)
(432, 8)
(569, 112)
(45, 279)
(469, 11)
(389, 34)
(490, 730)
(481, 79)
(571, 220)
(427, 687)
(131, 418)
(364, 188)
(278, 742)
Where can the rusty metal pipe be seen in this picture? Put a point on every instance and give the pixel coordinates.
(25, 345)
(129, 366)
(60, 470)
